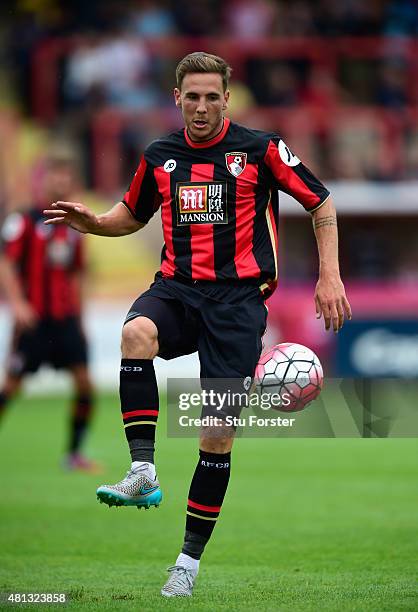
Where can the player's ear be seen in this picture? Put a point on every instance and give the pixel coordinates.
(226, 100)
(177, 97)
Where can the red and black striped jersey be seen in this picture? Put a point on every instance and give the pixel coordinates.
(219, 202)
(45, 258)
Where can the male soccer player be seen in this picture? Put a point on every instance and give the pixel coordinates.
(217, 185)
(41, 271)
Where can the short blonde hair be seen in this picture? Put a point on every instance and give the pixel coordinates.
(203, 62)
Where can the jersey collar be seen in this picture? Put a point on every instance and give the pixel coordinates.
(208, 143)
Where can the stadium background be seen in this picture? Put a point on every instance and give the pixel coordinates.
(339, 82)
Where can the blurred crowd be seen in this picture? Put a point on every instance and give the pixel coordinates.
(110, 62)
(114, 59)
(242, 18)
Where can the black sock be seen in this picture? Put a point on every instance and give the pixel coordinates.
(80, 420)
(206, 495)
(142, 450)
(139, 405)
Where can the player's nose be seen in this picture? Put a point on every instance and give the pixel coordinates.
(201, 107)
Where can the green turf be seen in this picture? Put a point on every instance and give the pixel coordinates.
(307, 524)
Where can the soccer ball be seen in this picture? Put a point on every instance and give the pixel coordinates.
(292, 371)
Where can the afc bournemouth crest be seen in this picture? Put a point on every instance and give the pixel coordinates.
(236, 162)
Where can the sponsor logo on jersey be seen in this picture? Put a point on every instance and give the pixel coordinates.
(201, 203)
(236, 162)
(286, 154)
(170, 165)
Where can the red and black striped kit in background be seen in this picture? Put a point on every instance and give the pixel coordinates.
(46, 258)
(219, 202)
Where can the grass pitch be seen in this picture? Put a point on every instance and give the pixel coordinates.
(306, 525)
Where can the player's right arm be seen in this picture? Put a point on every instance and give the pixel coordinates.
(118, 221)
(13, 240)
(137, 207)
(24, 315)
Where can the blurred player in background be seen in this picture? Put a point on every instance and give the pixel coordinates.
(41, 274)
(217, 184)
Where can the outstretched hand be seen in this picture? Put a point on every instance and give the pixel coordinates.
(331, 302)
(75, 215)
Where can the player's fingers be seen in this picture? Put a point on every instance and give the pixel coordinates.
(55, 212)
(347, 308)
(326, 314)
(69, 206)
(340, 311)
(54, 221)
(318, 308)
(334, 317)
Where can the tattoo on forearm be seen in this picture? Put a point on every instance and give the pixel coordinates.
(324, 222)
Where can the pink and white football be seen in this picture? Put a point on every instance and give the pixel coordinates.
(291, 370)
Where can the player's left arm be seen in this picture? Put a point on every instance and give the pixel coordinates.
(79, 274)
(330, 299)
(293, 177)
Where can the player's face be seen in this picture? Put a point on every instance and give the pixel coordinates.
(202, 101)
(59, 183)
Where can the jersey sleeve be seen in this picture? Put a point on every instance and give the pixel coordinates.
(142, 198)
(13, 236)
(292, 177)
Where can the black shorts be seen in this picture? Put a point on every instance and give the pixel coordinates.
(224, 322)
(61, 344)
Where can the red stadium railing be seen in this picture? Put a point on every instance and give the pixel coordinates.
(320, 52)
(391, 131)
(387, 128)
